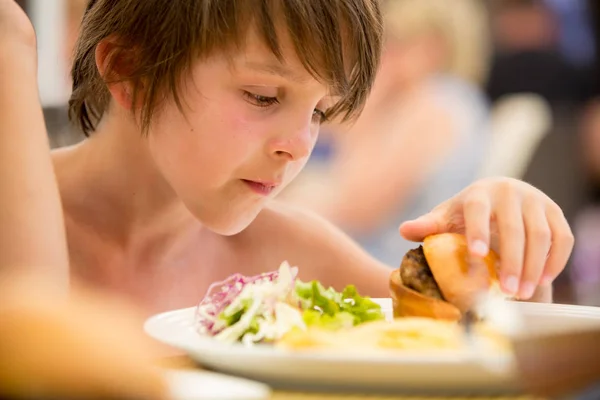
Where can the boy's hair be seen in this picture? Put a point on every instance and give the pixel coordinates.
(338, 42)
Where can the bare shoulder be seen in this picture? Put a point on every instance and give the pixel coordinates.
(72, 175)
(320, 250)
(64, 157)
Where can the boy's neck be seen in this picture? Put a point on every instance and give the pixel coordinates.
(121, 186)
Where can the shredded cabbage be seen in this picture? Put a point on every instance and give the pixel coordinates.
(265, 307)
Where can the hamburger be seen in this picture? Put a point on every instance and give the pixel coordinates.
(440, 280)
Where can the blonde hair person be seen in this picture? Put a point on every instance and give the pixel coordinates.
(463, 25)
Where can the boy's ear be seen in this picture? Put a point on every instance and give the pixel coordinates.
(115, 64)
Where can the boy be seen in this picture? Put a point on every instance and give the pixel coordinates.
(200, 112)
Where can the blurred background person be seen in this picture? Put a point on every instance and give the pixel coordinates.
(543, 47)
(421, 136)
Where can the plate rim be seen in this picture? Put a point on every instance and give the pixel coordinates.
(279, 368)
(193, 344)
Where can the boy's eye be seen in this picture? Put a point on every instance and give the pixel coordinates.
(266, 101)
(260, 101)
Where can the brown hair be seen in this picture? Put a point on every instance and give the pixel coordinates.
(338, 42)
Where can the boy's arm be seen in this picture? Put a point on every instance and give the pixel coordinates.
(32, 233)
(321, 251)
(318, 248)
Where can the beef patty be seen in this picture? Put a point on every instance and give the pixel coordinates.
(416, 274)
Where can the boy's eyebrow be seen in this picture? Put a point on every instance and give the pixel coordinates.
(278, 69)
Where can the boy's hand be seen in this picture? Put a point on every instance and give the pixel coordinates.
(16, 29)
(533, 237)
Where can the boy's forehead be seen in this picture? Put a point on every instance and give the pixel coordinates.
(255, 55)
(273, 66)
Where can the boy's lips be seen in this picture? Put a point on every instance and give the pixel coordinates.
(261, 187)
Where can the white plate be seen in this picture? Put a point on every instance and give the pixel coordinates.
(459, 373)
(203, 385)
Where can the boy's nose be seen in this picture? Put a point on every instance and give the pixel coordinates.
(293, 146)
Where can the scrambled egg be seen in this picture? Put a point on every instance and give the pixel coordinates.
(410, 334)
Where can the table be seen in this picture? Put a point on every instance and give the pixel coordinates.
(183, 362)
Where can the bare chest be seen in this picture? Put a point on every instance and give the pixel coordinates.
(155, 280)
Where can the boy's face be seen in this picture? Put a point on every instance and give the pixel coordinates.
(249, 126)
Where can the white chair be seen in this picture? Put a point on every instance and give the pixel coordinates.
(518, 124)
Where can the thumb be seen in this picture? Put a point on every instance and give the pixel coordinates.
(427, 224)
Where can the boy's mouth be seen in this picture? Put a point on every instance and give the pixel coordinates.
(263, 188)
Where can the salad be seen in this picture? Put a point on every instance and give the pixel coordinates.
(263, 308)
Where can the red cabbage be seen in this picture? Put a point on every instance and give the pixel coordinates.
(221, 294)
